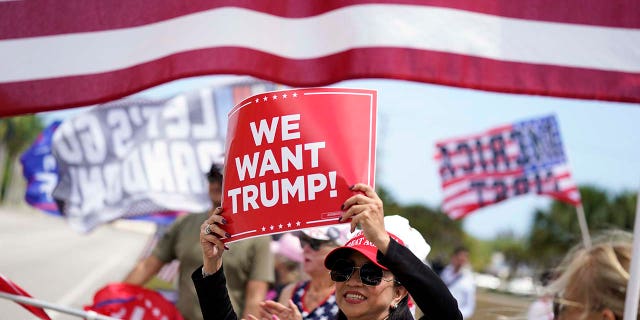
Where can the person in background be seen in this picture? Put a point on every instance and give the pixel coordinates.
(249, 263)
(459, 279)
(315, 297)
(542, 307)
(592, 283)
(373, 272)
(288, 257)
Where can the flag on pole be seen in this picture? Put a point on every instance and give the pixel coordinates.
(506, 161)
(10, 287)
(39, 169)
(82, 52)
(133, 157)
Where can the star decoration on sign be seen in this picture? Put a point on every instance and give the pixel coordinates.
(275, 96)
(283, 225)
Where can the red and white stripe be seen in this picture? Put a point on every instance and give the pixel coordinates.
(460, 198)
(168, 272)
(57, 54)
(10, 287)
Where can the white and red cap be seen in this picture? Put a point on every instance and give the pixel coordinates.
(413, 239)
(288, 246)
(338, 234)
(360, 244)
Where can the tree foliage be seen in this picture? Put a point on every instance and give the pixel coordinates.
(442, 233)
(555, 230)
(16, 134)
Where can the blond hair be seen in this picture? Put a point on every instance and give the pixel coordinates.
(597, 277)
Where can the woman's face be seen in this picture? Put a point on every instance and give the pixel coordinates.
(358, 301)
(314, 255)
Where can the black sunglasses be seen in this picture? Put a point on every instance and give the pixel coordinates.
(559, 304)
(370, 274)
(315, 244)
(557, 308)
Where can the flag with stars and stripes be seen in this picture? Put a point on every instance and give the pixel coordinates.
(506, 161)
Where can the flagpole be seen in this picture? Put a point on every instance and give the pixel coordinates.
(633, 287)
(586, 238)
(90, 315)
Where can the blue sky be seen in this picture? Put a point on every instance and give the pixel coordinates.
(601, 139)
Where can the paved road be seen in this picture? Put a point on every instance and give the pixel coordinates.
(44, 256)
(500, 306)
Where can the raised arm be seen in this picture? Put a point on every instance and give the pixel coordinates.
(209, 280)
(365, 209)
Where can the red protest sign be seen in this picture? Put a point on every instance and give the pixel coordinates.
(291, 156)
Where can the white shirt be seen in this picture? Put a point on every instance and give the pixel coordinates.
(462, 287)
(541, 309)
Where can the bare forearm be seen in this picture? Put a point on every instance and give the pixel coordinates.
(255, 293)
(143, 271)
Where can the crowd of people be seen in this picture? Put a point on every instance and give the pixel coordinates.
(388, 272)
(378, 271)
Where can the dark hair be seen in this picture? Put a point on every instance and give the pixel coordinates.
(402, 312)
(546, 277)
(214, 174)
(459, 249)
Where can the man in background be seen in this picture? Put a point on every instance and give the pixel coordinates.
(249, 266)
(459, 279)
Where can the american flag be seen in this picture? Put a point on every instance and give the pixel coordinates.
(506, 161)
(66, 53)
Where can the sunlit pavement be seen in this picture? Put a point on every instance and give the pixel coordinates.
(49, 260)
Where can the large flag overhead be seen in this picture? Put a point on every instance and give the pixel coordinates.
(67, 53)
(506, 161)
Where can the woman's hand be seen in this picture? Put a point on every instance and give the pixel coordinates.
(212, 246)
(365, 210)
(271, 310)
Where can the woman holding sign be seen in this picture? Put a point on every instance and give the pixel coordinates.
(374, 272)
